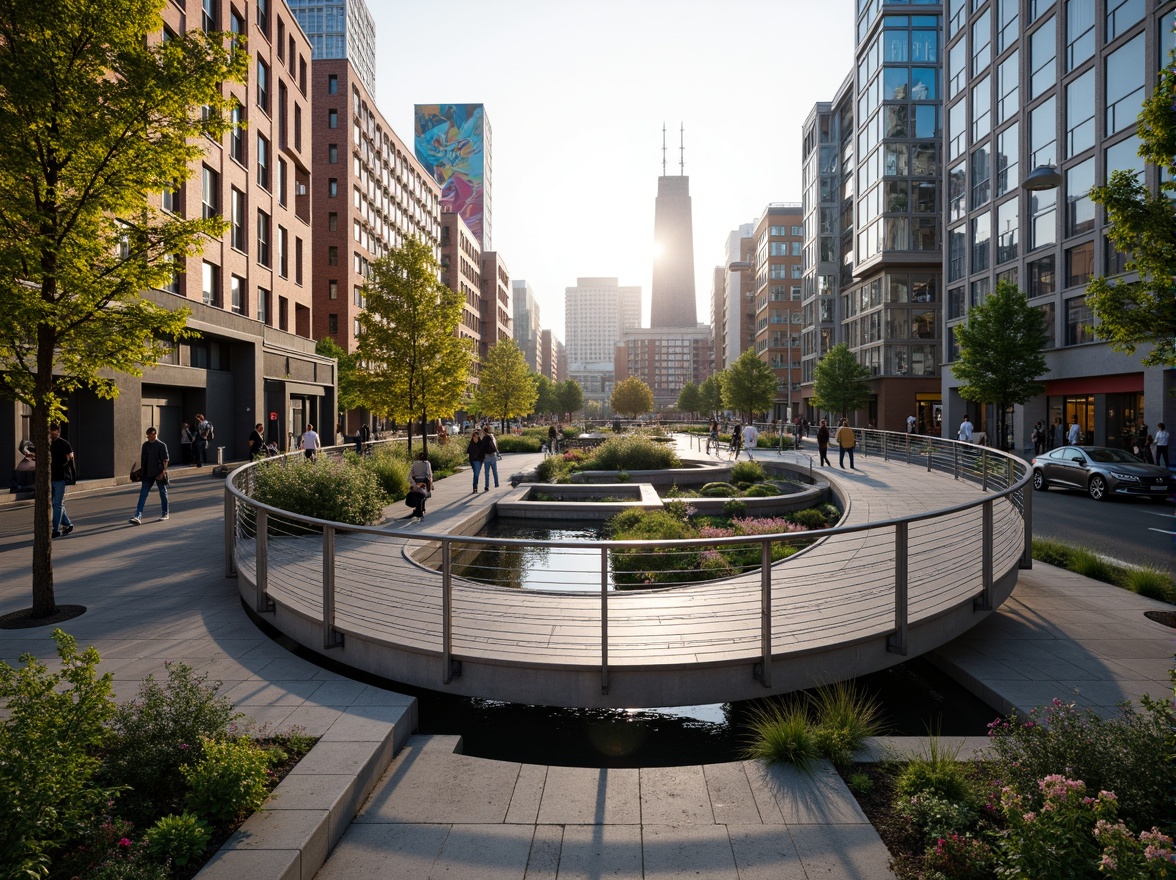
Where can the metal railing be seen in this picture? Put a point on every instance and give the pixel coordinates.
(897, 563)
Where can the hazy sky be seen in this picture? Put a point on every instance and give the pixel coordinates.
(576, 93)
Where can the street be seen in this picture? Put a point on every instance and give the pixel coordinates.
(1130, 530)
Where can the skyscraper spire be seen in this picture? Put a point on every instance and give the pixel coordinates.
(663, 149)
(681, 150)
(672, 300)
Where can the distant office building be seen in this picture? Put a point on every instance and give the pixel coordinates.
(340, 29)
(370, 194)
(733, 298)
(597, 311)
(526, 325)
(672, 297)
(665, 359)
(778, 317)
(553, 361)
(453, 141)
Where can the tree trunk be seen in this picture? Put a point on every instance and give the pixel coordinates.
(424, 433)
(44, 602)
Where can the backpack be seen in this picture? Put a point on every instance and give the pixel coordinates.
(206, 431)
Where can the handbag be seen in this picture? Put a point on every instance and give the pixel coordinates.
(414, 497)
(136, 473)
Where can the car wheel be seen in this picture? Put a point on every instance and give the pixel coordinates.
(1039, 481)
(1097, 487)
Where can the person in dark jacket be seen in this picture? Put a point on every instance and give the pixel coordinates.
(153, 462)
(477, 455)
(490, 457)
(823, 443)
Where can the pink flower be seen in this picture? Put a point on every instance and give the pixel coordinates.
(125, 842)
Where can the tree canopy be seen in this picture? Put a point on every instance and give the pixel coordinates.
(840, 383)
(1139, 312)
(690, 398)
(570, 396)
(1001, 356)
(413, 366)
(711, 394)
(547, 399)
(507, 388)
(632, 397)
(749, 385)
(96, 119)
(345, 381)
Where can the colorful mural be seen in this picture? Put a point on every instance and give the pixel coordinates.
(450, 143)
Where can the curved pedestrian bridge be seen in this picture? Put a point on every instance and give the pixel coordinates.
(931, 542)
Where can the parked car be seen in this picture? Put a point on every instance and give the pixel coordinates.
(1101, 472)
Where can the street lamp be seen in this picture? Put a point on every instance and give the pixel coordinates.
(1042, 177)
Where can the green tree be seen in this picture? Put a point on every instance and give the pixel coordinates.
(506, 386)
(632, 398)
(1143, 226)
(94, 120)
(711, 392)
(1001, 356)
(690, 399)
(345, 378)
(840, 383)
(749, 385)
(570, 396)
(413, 366)
(547, 401)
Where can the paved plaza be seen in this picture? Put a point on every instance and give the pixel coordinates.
(421, 809)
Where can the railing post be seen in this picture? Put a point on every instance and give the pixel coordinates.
(908, 448)
(955, 452)
(452, 667)
(765, 664)
(896, 643)
(1026, 562)
(984, 467)
(230, 532)
(983, 602)
(604, 620)
(331, 637)
(930, 453)
(261, 602)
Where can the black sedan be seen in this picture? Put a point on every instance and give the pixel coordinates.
(1101, 472)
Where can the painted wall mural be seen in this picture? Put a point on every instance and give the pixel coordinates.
(450, 143)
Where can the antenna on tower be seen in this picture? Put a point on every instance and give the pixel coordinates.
(682, 150)
(663, 149)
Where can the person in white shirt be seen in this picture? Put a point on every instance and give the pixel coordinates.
(750, 438)
(965, 430)
(911, 422)
(310, 443)
(1075, 433)
(1161, 440)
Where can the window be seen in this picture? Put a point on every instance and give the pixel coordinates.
(981, 176)
(332, 290)
(1080, 114)
(1121, 15)
(1048, 317)
(263, 238)
(1042, 281)
(332, 119)
(957, 254)
(332, 154)
(1007, 24)
(332, 187)
(281, 38)
(283, 255)
(332, 221)
(332, 84)
(1043, 67)
(1008, 79)
(237, 294)
(332, 255)
(263, 16)
(1043, 134)
(1079, 264)
(1043, 218)
(1079, 32)
(171, 201)
(955, 302)
(237, 134)
(208, 15)
(263, 72)
(1079, 207)
(1114, 260)
(957, 192)
(957, 129)
(210, 192)
(263, 306)
(297, 260)
(1007, 222)
(1124, 85)
(982, 43)
(238, 217)
(301, 75)
(333, 324)
(1007, 176)
(957, 67)
(981, 109)
(263, 176)
(210, 288)
(297, 127)
(282, 181)
(979, 290)
(981, 241)
(1124, 156)
(283, 313)
(236, 24)
(1079, 322)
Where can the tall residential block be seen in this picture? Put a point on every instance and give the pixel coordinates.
(461, 271)
(340, 29)
(453, 142)
(733, 298)
(495, 324)
(778, 315)
(597, 311)
(672, 296)
(526, 325)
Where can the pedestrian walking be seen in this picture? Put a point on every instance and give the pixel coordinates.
(204, 435)
(256, 442)
(736, 441)
(750, 438)
(823, 443)
(490, 456)
(712, 439)
(846, 440)
(1161, 439)
(911, 422)
(187, 435)
(420, 478)
(310, 443)
(965, 432)
(153, 472)
(477, 455)
(61, 473)
(1038, 438)
(1074, 436)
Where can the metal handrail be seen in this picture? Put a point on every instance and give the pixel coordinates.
(1008, 479)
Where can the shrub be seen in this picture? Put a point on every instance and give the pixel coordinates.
(326, 489)
(632, 453)
(759, 490)
(1114, 754)
(1151, 582)
(747, 472)
(1057, 840)
(1052, 552)
(51, 728)
(678, 509)
(230, 779)
(781, 735)
(515, 443)
(936, 817)
(830, 512)
(162, 728)
(936, 773)
(718, 490)
(181, 838)
(388, 467)
(845, 717)
(809, 518)
(735, 508)
(860, 783)
(1089, 564)
(959, 857)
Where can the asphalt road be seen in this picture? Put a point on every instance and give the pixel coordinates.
(1131, 530)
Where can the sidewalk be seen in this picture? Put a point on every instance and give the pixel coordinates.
(160, 593)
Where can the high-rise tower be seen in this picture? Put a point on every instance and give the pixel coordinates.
(453, 142)
(672, 299)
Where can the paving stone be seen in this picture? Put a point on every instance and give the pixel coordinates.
(674, 796)
(590, 852)
(271, 864)
(589, 796)
(766, 852)
(385, 852)
(527, 794)
(841, 851)
(694, 850)
(543, 860)
(731, 799)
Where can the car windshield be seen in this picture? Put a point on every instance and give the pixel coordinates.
(1107, 455)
